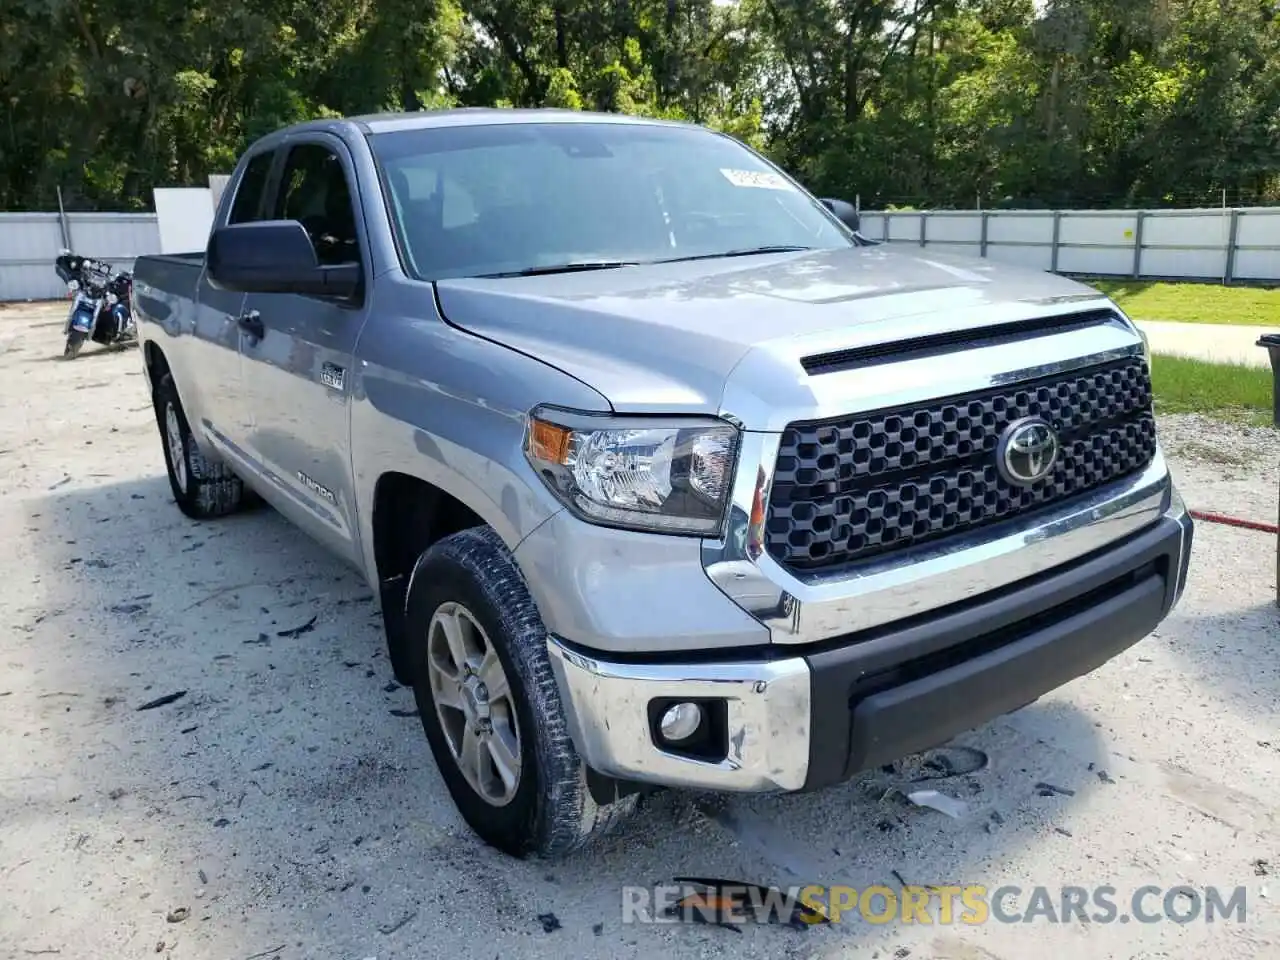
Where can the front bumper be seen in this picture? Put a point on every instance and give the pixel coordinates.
(808, 721)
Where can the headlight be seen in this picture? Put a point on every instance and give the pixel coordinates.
(666, 475)
(1142, 334)
(1146, 344)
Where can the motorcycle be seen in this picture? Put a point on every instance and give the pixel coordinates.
(100, 303)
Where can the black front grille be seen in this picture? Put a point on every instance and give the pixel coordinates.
(860, 486)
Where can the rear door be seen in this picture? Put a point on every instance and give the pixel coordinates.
(216, 362)
(297, 377)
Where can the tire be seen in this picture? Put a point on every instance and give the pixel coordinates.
(201, 488)
(75, 340)
(550, 811)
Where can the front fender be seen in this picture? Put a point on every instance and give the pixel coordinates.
(80, 318)
(450, 408)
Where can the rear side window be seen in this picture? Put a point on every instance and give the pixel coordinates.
(248, 201)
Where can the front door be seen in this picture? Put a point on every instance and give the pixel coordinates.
(296, 377)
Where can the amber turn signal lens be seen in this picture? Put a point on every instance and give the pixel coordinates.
(548, 442)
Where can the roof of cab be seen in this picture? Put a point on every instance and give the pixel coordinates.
(471, 116)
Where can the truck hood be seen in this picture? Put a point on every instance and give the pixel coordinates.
(667, 338)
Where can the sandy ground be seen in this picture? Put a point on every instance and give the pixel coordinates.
(287, 807)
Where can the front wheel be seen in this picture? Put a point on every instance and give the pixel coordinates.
(75, 340)
(489, 703)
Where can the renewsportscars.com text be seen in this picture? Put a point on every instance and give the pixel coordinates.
(943, 905)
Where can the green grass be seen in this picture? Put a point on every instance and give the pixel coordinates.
(1194, 302)
(1223, 390)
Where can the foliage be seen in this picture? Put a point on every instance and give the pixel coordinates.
(1195, 302)
(1228, 391)
(916, 102)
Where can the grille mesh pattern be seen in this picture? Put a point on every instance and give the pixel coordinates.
(860, 486)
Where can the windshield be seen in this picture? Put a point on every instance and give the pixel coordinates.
(482, 200)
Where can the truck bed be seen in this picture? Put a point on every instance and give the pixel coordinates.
(162, 282)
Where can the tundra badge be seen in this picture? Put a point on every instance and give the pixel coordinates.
(317, 488)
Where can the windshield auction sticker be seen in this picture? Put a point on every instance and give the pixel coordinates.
(764, 179)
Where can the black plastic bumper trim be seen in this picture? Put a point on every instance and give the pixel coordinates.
(908, 690)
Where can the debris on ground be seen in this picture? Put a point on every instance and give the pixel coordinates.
(946, 762)
(938, 801)
(164, 701)
(1261, 868)
(394, 925)
(725, 903)
(404, 713)
(300, 629)
(550, 922)
(1050, 790)
(178, 914)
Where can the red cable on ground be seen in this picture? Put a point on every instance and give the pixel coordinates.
(1234, 521)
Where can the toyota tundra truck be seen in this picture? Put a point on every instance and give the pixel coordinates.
(663, 473)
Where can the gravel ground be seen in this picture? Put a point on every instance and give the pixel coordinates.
(287, 805)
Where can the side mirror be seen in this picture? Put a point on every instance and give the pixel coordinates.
(847, 212)
(274, 256)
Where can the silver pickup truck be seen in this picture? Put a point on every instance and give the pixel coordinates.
(664, 475)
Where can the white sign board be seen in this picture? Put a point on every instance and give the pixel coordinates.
(218, 183)
(185, 216)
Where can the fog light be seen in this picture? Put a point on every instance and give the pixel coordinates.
(680, 722)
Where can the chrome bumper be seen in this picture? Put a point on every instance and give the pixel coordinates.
(768, 706)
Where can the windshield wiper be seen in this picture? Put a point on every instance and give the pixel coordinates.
(580, 266)
(740, 252)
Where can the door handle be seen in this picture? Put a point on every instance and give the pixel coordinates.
(251, 323)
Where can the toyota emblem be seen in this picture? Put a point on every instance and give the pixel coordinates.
(1027, 451)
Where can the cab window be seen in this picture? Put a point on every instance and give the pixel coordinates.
(314, 191)
(247, 205)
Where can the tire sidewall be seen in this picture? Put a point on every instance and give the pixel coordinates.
(515, 826)
(166, 397)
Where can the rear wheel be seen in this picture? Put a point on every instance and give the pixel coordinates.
(201, 487)
(489, 702)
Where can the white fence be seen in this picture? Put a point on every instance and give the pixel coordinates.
(29, 242)
(1222, 245)
(1208, 244)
